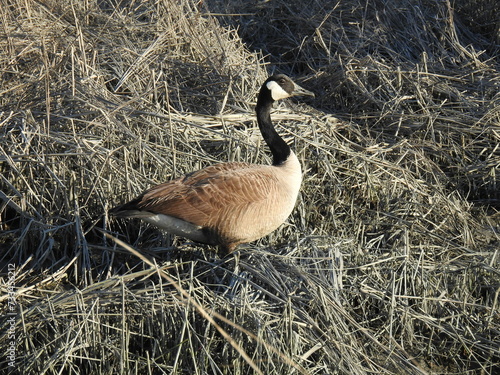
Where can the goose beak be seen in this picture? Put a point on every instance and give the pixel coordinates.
(297, 91)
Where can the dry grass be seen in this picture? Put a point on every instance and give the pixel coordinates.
(389, 264)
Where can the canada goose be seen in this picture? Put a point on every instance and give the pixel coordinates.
(229, 204)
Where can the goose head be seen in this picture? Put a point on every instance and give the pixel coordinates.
(281, 86)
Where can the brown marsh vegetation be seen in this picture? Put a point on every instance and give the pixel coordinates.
(389, 263)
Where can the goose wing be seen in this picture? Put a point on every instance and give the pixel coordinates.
(205, 197)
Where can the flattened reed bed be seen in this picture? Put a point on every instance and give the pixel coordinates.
(389, 263)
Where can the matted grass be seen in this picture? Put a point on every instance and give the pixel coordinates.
(389, 263)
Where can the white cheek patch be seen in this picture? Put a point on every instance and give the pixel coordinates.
(277, 91)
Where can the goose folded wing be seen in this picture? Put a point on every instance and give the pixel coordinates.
(207, 196)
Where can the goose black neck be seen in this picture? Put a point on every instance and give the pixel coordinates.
(279, 148)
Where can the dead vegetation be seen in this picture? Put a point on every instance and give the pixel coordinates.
(389, 264)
